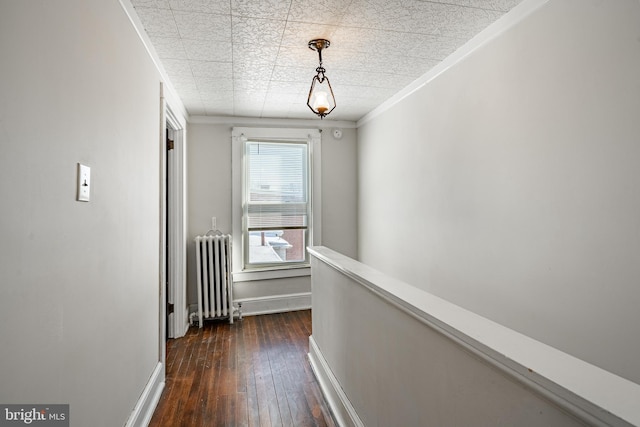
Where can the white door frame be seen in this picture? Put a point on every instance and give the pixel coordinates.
(177, 251)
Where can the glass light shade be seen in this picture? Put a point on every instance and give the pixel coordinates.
(321, 100)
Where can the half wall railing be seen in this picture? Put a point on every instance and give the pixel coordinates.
(389, 354)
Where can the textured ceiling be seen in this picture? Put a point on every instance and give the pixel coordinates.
(249, 58)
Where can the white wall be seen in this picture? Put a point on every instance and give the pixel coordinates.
(79, 294)
(388, 354)
(208, 188)
(508, 184)
(339, 191)
(209, 194)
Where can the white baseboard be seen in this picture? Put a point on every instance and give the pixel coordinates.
(344, 413)
(146, 405)
(275, 304)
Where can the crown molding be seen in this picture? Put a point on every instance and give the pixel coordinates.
(271, 122)
(503, 24)
(170, 93)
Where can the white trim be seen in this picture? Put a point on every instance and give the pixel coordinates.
(341, 408)
(592, 394)
(170, 92)
(177, 226)
(162, 235)
(504, 23)
(238, 136)
(275, 304)
(271, 122)
(186, 316)
(146, 404)
(248, 276)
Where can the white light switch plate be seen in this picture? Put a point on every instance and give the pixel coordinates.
(84, 183)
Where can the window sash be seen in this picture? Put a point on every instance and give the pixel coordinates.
(275, 216)
(276, 196)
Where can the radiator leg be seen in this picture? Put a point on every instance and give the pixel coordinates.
(233, 311)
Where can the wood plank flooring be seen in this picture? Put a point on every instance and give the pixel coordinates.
(252, 373)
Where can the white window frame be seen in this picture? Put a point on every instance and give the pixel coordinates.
(239, 136)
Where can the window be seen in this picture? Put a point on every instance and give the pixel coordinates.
(275, 200)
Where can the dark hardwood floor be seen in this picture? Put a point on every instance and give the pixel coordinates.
(252, 373)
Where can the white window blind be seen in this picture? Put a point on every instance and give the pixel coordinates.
(276, 202)
(277, 186)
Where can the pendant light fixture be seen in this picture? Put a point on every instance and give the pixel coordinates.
(321, 100)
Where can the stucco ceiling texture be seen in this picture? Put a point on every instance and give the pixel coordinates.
(249, 58)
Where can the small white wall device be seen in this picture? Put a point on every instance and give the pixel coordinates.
(84, 183)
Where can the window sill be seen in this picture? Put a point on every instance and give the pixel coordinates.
(250, 275)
